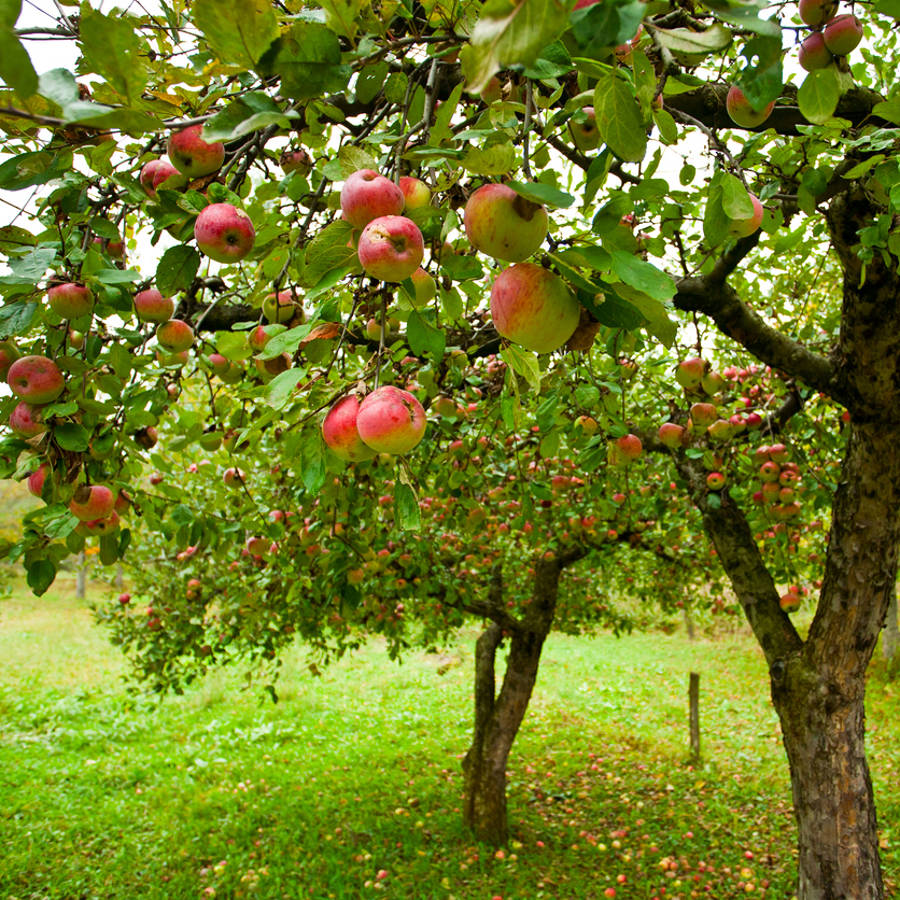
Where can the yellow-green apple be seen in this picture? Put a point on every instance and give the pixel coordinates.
(210, 440)
(37, 479)
(151, 306)
(296, 161)
(90, 502)
(712, 383)
(70, 300)
(224, 232)
(416, 194)
(26, 420)
(690, 372)
(587, 425)
(534, 307)
(813, 53)
(281, 308)
(76, 339)
(35, 379)
(625, 450)
(742, 112)
(175, 335)
(583, 127)
(817, 12)
(257, 546)
(715, 481)
(8, 355)
(366, 195)
(842, 34)
(193, 156)
(340, 433)
(160, 173)
(703, 414)
(391, 248)
(746, 227)
(424, 288)
(225, 368)
(390, 420)
(789, 602)
(720, 430)
(274, 366)
(502, 224)
(769, 471)
(671, 435)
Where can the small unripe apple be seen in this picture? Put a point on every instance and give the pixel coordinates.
(151, 306)
(114, 249)
(37, 479)
(503, 224)
(269, 368)
(690, 372)
(8, 355)
(671, 435)
(416, 193)
(26, 421)
(391, 420)
(720, 430)
(391, 248)
(193, 156)
(296, 161)
(813, 53)
(124, 599)
(224, 233)
(92, 502)
(816, 12)
(210, 440)
(534, 307)
(175, 336)
(160, 173)
(842, 34)
(742, 113)
(70, 301)
(745, 227)
(98, 527)
(340, 433)
(625, 450)
(233, 476)
(715, 481)
(585, 134)
(366, 195)
(76, 339)
(35, 379)
(281, 308)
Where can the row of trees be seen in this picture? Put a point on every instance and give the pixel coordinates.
(698, 205)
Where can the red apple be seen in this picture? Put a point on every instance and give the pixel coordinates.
(92, 502)
(625, 450)
(70, 300)
(99, 527)
(340, 433)
(115, 249)
(366, 195)
(703, 414)
(35, 379)
(416, 194)
(715, 481)
(741, 111)
(26, 421)
(391, 420)
(37, 479)
(745, 227)
(175, 336)
(690, 372)
(842, 34)
(671, 435)
(789, 602)
(224, 232)
(160, 173)
(124, 599)
(257, 338)
(193, 156)
(504, 225)
(391, 248)
(813, 53)
(151, 306)
(534, 307)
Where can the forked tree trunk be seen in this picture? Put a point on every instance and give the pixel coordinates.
(498, 716)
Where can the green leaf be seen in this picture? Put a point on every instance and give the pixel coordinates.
(233, 345)
(15, 318)
(424, 339)
(889, 109)
(239, 31)
(308, 59)
(523, 362)
(745, 15)
(15, 65)
(657, 321)
(494, 159)
(694, 43)
(110, 46)
(510, 33)
(406, 507)
(331, 249)
(668, 130)
(282, 385)
(642, 275)
(312, 460)
(41, 574)
(72, 437)
(352, 159)
(538, 192)
(819, 94)
(619, 118)
(285, 342)
(177, 269)
(30, 169)
(250, 113)
(762, 77)
(341, 16)
(29, 269)
(603, 25)
(889, 8)
(116, 276)
(736, 202)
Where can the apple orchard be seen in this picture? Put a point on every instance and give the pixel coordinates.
(335, 319)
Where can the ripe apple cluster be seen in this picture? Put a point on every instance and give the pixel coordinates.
(832, 36)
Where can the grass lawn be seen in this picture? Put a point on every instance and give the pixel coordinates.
(350, 786)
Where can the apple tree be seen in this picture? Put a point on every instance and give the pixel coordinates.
(229, 207)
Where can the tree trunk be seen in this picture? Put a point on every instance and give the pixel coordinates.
(890, 638)
(80, 576)
(498, 716)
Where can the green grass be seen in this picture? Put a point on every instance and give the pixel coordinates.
(356, 773)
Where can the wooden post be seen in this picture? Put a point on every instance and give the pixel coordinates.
(80, 576)
(694, 696)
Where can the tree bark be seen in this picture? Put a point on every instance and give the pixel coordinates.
(890, 639)
(498, 716)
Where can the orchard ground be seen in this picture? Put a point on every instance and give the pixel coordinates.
(350, 786)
